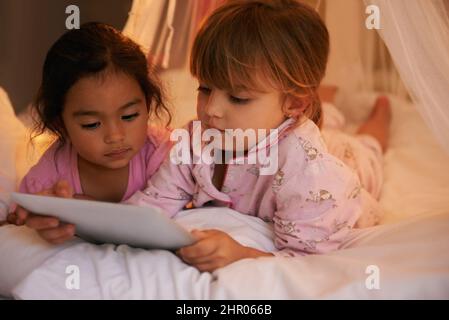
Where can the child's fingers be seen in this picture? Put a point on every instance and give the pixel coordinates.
(38, 222)
(199, 235)
(21, 215)
(66, 237)
(198, 260)
(12, 218)
(63, 189)
(58, 235)
(207, 267)
(46, 192)
(203, 247)
(198, 250)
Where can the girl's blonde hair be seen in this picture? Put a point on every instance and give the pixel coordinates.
(245, 42)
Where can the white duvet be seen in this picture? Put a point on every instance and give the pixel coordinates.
(405, 257)
(410, 260)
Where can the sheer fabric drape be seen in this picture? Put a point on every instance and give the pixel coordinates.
(166, 28)
(416, 33)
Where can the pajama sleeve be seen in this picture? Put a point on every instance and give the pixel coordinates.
(316, 208)
(170, 188)
(44, 174)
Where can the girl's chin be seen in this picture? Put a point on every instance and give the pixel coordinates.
(117, 164)
(112, 164)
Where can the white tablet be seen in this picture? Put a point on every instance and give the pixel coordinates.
(104, 222)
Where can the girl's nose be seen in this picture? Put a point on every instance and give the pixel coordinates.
(114, 133)
(214, 106)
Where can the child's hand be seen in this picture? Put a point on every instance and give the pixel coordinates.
(49, 228)
(215, 249)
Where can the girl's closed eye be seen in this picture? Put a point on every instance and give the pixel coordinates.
(130, 117)
(95, 125)
(90, 126)
(237, 100)
(232, 98)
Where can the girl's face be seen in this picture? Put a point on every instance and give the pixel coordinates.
(106, 119)
(239, 110)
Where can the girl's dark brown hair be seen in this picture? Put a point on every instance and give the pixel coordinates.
(88, 51)
(284, 41)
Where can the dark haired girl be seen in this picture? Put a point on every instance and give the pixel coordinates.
(96, 97)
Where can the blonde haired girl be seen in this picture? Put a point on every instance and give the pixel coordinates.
(259, 64)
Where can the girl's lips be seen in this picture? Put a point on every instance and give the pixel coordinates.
(212, 127)
(117, 154)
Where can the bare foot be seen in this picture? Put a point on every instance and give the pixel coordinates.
(378, 123)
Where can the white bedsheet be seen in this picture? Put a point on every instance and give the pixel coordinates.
(411, 247)
(411, 256)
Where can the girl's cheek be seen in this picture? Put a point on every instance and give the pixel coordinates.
(201, 112)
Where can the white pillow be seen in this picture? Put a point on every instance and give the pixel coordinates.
(12, 133)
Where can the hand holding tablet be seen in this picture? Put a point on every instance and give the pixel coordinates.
(104, 222)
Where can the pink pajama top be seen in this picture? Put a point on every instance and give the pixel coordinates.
(313, 199)
(62, 164)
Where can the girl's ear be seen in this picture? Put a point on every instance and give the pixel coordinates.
(294, 107)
